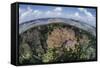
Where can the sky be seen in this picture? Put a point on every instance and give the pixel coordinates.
(31, 12)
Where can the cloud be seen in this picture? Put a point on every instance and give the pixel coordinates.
(37, 13)
(26, 13)
(56, 12)
(21, 10)
(77, 14)
(83, 15)
(88, 17)
(58, 9)
(85, 12)
(48, 13)
(81, 9)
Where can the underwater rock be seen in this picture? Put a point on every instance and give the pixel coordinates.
(25, 52)
(56, 42)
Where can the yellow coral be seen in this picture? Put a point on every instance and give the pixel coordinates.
(60, 35)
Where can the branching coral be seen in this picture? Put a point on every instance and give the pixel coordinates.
(62, 37)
